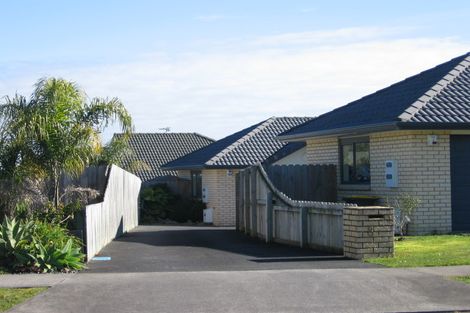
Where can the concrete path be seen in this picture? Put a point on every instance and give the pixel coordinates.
(186, 269)
(320, 290)
(32, 280)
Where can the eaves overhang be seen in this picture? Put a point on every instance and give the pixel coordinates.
(352, 131)
(201, 167)
(374, 128)
(433, 125)
(182, 167)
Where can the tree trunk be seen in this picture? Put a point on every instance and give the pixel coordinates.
(56, 188)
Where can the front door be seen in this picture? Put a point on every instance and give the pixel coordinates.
(460, 182)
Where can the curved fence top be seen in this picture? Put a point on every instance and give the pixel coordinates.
(296, 203)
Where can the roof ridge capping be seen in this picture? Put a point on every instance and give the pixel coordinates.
(203, 136)
(250, 134)
(416, 106)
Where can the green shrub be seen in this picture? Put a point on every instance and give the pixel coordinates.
(62, 215)
(159, 203)
(55, 249)
(15, 236)
(406, 204)
(51, 257)
(156, 202)
(184, 209)
(26, 245)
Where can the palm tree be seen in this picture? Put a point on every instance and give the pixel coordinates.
(56, 132)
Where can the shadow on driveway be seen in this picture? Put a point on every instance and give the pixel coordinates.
(182, 248)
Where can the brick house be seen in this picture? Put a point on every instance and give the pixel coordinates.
(213, 168)
(412, 137)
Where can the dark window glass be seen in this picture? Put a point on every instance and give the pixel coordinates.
(196, 184)
(348, 163)
(355, 161)
(362, 162)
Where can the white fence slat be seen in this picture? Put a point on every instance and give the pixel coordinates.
(117, 214)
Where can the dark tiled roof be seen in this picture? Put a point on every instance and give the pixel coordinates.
(437, 95)
(249, 146)
(451, 104)
(156, 149)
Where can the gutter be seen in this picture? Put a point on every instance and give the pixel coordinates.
(182, 167)
(435, 125)
(354, 130)
(202, 167)
(374, 128)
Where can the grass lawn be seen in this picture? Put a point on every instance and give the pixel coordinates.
(10, 297)
(438, 250)
(464, 279)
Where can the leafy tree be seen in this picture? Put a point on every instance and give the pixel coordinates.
(55, 132)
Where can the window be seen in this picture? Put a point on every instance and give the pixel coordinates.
(196, 184)
(355, 161)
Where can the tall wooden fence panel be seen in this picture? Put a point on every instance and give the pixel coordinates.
(305, 182)
(177, 185)
(325, 229)
(286, 224)
(266, 212)
(94, 177)
(116, 214)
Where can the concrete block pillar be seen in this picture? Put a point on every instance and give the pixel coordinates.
(368, 232)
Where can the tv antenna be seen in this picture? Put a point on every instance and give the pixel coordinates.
(165, 129)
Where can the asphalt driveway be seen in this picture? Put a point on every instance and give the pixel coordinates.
(201, 269)
(188, 249)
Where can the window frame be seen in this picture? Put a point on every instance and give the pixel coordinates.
(352, 141)
(196, 184)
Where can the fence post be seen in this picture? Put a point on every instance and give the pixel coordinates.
(254, 201)
(247, 200)
(303, 226)
(237, 201)
(241, 205)
(269, 216)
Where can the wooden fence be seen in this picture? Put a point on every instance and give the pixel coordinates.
(177, 185)
(94, 177)
(116, 214)
(305, 182)
(265, 212)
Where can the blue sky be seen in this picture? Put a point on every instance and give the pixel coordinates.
(215, 67)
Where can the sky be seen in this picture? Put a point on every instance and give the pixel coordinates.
(216, 67)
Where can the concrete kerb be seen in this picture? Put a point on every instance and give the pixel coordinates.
(446, 271)
(32, 280)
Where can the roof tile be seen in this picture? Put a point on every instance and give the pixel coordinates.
(156, 149)
(244, 148)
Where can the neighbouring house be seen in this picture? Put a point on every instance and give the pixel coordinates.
(213, 168)
(156, 149)
(410, 138)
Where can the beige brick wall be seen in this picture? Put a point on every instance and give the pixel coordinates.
(221, 195)
(423, 171)
(368, 233)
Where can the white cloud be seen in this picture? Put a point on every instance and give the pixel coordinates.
(334, 36)
(229, 89)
